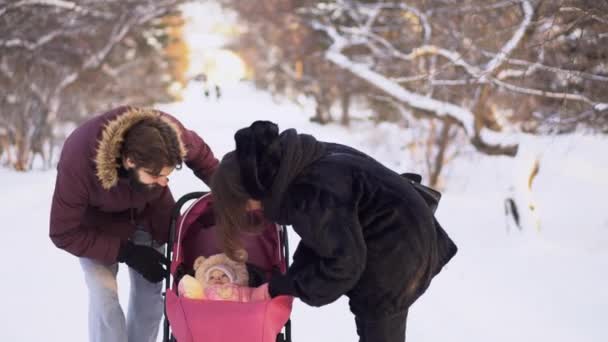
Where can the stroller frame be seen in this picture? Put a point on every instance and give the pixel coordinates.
(175, 215)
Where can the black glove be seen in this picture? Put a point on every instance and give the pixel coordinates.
(146, 260)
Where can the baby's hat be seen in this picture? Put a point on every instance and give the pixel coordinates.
(236, 271)
(227, 271)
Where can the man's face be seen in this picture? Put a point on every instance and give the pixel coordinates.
(143, 179)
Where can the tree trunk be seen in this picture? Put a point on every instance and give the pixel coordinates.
(22, 152)
(443, 143)
(5, 148)
(322, 114)
(345, 101)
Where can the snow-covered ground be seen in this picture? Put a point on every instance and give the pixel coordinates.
(504, 285)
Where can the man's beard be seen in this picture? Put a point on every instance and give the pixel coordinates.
(136, 183)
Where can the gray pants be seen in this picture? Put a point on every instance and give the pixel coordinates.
(107, 321)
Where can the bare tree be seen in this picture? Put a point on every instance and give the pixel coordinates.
(286, 56)
(64, 59)
(491, 67)
(474, 68)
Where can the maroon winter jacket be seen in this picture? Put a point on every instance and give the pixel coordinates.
(94, 209)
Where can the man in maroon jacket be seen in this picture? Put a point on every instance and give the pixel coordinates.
(112, 205)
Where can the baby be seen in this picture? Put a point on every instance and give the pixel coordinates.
(221, 284)
(219, 278)
(218, 275)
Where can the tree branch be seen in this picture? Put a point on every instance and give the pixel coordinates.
(512, 44)
(67, 5)
(589, 14)
(531, 69)
(474, 8)
(16, 42)
(550, 94)
(494, 149)
(119, 31)
(565, 72)
(440, 108)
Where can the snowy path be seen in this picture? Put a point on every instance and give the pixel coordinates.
(547, 286)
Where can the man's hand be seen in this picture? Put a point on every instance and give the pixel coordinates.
(147, 261)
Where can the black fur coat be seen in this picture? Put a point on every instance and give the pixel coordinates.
(365, 231)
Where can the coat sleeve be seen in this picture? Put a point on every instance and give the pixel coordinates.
(331, 256)
(199, 157)
(158, 215)
(70, 201)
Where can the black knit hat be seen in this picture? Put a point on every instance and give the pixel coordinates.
(258, 150)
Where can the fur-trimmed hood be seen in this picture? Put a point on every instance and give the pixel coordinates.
(87, 175)
(107, 155)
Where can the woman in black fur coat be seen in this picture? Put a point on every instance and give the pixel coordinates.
(365, 231)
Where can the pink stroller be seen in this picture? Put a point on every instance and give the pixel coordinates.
(191, 320)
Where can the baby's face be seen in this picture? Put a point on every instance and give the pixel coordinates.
(217, 277)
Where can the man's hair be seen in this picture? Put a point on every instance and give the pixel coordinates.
(152, 144)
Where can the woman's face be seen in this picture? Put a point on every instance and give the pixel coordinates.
(217, 277)
(253, 205)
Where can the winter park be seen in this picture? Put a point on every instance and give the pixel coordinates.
(500, 106)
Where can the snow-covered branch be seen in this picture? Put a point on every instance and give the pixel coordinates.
(70, 54)
(550, 94)
(559, 71)
(474, 8)
(589, 14)
(118, 33)
(451, 83)
(391, 88)
(402, 94)
(372, 14)
(518, 73)
(62, 4)
(407, 79)
(439, 108)
(430, 57)
(512, 43)
(364, 33)
(93, 61)
(17, 42)
(452, 56)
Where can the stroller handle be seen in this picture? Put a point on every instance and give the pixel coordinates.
(175, 213)
(180, 203)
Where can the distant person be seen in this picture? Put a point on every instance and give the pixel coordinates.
(202, 77)
(218, 92)
(366, 232)
(112, 205)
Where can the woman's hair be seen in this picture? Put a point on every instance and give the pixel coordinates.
(153, 144)
(230, 208)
